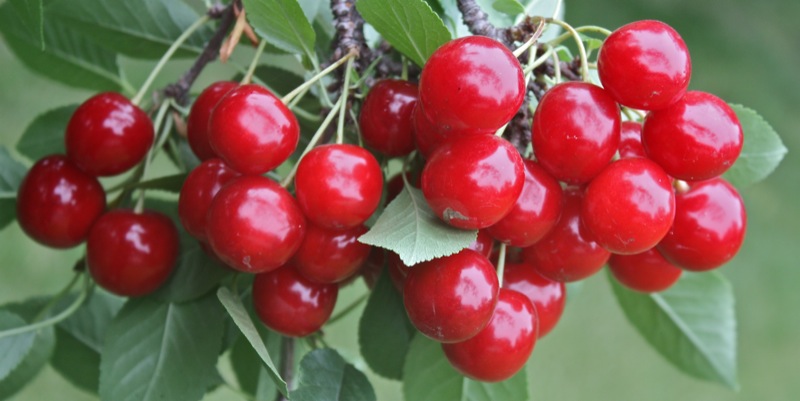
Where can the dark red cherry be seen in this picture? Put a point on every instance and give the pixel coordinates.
(483, 244)
(547, 296)
(200, 114)
(398, 271)
(428, 136)
(385, 117)
(630, 140)
(199, 189)
(372, 267)
(644, 272)
(331, 256)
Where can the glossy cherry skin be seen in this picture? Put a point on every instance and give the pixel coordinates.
(629, 206)
(338, 186)
(630, 140)
(199, 189)
(547, 296)
(57, 203)
(503, 347)
(709, 227)
(428, 136)
(450, 299)
(483, 244)
(331, 256)
(465, 173)
(644, 272)
(645, 65)
(568, 252)
(575, 131)
(132, 254)
(291, 304)
(254, 225)
(472, 83)
(385, 118)
(107, 135)
(252, 130)
(695, 139)
(199, 116)
(535, 211)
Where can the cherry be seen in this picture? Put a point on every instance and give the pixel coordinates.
(200, 114)
(338, 186)
(695, 139)
(568, 252)
(450, 299)
(385, 118)
(483, 244)
(471, 83)
(107, 135)
(547, 296)
(630, 140)
(502, 348)
(645, 65)
(398, 271)
(575, 131)
(428, 136)
(254, 225)
(710, 221)
(372, 267)
(629, 206)
(331, 256)
(252, 130)
(132, 254)
(291, 304)
(644, 272)
(534, 213)
(57, 203)
(199, 189)
(464, 173)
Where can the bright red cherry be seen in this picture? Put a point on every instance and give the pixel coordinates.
(710, 221)
(575, 131)
(644, 272)
(483, 244)
(568, 252)
(200, 114)
(331, 256)
(252, 130)
(132, 254)
(385, 118)
(57, 203)
(428, 136)
(502, 348)
(198, 191)
(450, 299)
(547, 296)
(107, 135)
(291, 304)
(254, 225)
(645, 65)
(629, 206)
(535, 211)
(338, 186)
(630, 140)
(472, 182)
(695, 139)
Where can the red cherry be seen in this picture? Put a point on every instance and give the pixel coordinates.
(483, 244)
(331, 256)
(338, 186)
(695, 139)
(132, 254)
(534, 213)
(107, 135)
(644, 272)
(254, 225)
(710, 221)
(502, 348)
(385, 118)
(372, 268)
(547, 296)
(575, 131)
(291, 304)
(200, 114)
(645, 65)
(428, 136)
(451, 299)
(629, 206)
(198, 191)
(398, 271)
(57, 203)
(630, 140)
(252, 130)
(472, 182)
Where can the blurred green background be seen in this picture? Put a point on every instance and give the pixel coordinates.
(744, 51)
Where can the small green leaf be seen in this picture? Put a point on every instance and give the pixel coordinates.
(248, 368)
(325, 376)
(409, 228)
(45, 134)
(283, 24)
(196, 273)
(691, 324)
(32, 16)
(12, 173)
(169, 183)
(762, 150)
(38, 354)
(410, 26)
(13, 349)
(76, 362)
(511, 8)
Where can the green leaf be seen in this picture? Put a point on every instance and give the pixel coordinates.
(409, 228)
(428, 376)
(161, 351)
(762, 150)
(196, 273)
(283, 24)
(11, 174)
(509, 7)
(13, 349)
(325, 376)
(691, 324)
(32, 16)
(38, 355)
(250, 373)
(76, 362)
(45, 134)
(169, 183)
(410, 26)
(384, 331)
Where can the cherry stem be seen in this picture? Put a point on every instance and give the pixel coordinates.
(532, 40)
(289, 96)
(343, 108)
(539, 61)
(349, 308)
(586, 28)
(681, 186)
(581, 48)
(248, 76)
(501, 263)
(163, 130)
